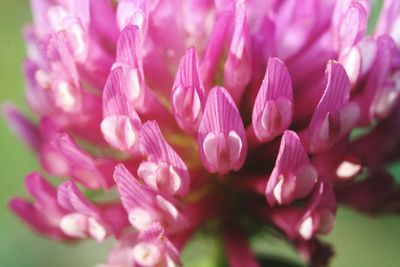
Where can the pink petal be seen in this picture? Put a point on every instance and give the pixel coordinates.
(187, 96)
(138, 200)
(170, 172)
(44, 214)
(238, 66)
(22, 127)
(132, 13)
(35, 219)
(221, 138)
(62, 156)
(129, 57)
(41, 190)
(389, 20)
(359, 59)
(317, 217)
(292, 177)
(215, 46)
(334, 116)
(320, 211)
(71, 199)
(160, 248)
(121, 124)
(352, 25)
(273, 107)
(144, 205)
(83, 219)
(374, 81)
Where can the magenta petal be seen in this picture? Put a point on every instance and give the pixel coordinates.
(121, 124)
(35, 219)
(71, 199)
(44, 214)
(292, 177)
(41, 190)
(352, 25)
(273, 107)
(374, 83)
(187, 95)
(22, 127)
(164, 170)
(215, 46)
(132, 13)
(129, 47)
(389, 20)
(238, 66)
(317, 217)
(62, 156)
(83, 219)
(334, 116)
(221, 138)
(144, 205)
(129, 57)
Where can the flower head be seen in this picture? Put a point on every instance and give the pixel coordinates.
(240, 112)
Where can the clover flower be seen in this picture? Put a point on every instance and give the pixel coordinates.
(241, 113)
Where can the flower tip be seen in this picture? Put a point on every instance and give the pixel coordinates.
(292, 177)
(221, 139)
(273, 107)
(187, 95)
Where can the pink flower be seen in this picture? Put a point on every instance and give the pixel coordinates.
(238, 112)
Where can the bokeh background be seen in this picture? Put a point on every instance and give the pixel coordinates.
(358, 240)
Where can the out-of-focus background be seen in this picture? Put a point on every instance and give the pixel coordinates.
(358, 240)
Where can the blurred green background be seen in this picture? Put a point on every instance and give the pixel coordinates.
(358, 240)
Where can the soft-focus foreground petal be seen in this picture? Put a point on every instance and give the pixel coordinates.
(44, 214)
(237, 69)
(22, 127)
(62, 156)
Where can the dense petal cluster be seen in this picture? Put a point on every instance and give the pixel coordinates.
(164, 115)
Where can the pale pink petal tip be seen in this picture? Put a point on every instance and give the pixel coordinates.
(136, 199)
(145, 205)
(188, 93)
(132, 13)
(129, 58)
(83, 220)
(44, 214)
(238, 66)
(155, 249)
(316, 218)
(319, 216)
(273, 107)
(62, 156)
(292, 177)
(353, 26)
(121, 124)
(334, 116)
(164, 170)
(221, 138)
